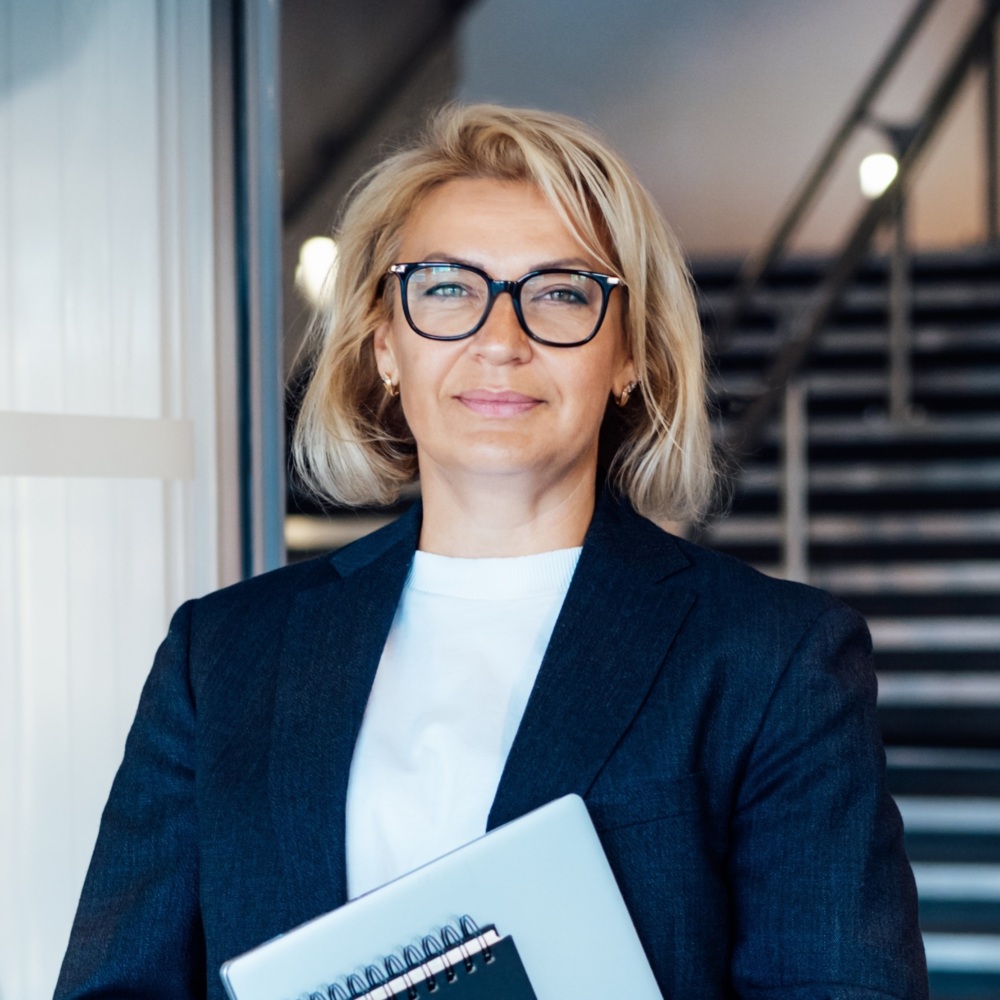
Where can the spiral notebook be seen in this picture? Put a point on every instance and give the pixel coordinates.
(460, 962)
(551, 924)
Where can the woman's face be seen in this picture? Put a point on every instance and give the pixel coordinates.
(499, 403)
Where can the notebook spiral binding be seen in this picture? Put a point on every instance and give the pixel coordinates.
(438, 961)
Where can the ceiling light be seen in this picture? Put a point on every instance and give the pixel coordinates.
(876, 173)
(317, 259)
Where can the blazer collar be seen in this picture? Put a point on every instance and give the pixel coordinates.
(333, 642)
(609, 643)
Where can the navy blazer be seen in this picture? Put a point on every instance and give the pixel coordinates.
(719, 724)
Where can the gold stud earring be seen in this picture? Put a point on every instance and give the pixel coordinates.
(622, 400)
(390, 387)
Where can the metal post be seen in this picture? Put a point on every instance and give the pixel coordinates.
(900, 308)
(992, 113)
(258, 240)
(795, 483)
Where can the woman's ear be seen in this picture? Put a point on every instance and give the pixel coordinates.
(623, 377)
(385, 357)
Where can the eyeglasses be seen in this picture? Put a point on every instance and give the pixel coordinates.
(556, 306)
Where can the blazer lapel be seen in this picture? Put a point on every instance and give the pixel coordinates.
(339, 626)
(609, 643)
(618, 620)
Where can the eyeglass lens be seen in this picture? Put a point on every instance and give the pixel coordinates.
(447, 300)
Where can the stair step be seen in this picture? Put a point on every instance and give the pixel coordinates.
(911, 578)
(964, 725)
(895, 634)
(879, 430)
(936, 727)
(929, 689)
(950, 815)
(949, 846)
(943, 916)
(904, 578)
(866, 476)
(943, 771)
(951, 828)
(963, 966)
(959, 296)
(953, 605)
(958, 898)
(904, 661)
(864, 384)
(833, 568)
(963, 952)
(873, 339)
(875, 529)
(951, 881)
(974, 263)
(923, 757)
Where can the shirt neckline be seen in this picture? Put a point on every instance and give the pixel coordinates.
(505, 578)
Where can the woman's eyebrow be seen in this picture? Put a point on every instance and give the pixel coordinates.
(450, 258)
(571, 262)
(575, 262)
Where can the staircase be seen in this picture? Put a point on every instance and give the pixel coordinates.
(902, 522)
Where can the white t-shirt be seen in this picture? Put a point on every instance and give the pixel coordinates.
(455, 675)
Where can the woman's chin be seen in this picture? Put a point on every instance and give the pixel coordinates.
(495, 462)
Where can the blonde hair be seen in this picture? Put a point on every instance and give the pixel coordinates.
(352, 444)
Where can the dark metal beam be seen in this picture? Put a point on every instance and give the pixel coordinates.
(436, 31)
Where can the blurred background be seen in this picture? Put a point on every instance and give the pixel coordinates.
(170, 176)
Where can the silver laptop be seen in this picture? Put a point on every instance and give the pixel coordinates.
(530, 910)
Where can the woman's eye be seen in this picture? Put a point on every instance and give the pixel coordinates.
(451, 290)
(563, 295)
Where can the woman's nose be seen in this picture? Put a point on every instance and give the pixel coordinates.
(501, 339)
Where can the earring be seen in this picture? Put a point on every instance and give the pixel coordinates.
(622, 400)
(390, 388)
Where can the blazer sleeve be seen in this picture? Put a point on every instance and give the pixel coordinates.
(824, 898)
(137, 931)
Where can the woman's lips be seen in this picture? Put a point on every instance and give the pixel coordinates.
(497, 404)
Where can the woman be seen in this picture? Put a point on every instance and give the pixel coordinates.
(511, 322)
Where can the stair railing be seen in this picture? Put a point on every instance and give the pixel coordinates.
(759, 263)
(795, 483)
(804, 327)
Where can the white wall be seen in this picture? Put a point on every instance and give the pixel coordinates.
(110, 434)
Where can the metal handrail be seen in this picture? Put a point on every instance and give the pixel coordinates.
(758, 264)
(746, 432)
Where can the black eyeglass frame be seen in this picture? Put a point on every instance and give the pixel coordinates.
(497, 286)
